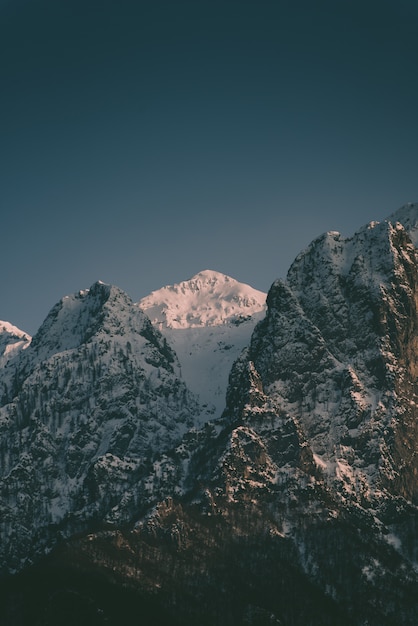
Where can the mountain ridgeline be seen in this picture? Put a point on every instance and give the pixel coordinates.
(206, 457)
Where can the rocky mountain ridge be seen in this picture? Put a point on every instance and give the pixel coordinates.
(297, 505)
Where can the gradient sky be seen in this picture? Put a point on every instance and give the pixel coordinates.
(141, 142)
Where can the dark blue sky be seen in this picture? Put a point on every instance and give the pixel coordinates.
(142, 142)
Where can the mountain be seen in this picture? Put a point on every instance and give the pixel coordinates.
(92, 403)
(93, 398)
(208, 320)
(297, 505)
(12, 341)
(11, 338)
(208, 299)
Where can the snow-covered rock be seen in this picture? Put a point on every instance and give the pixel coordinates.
(93, 399)
(407, 215)
(12, 341)
(11, 336)
(208, 320)
(337, 353)
(208, 299)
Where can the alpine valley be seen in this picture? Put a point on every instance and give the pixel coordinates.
(209, 456)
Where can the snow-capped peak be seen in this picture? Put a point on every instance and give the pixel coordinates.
(6, 327)
(208, 320)
(207, 299)
(12, 339)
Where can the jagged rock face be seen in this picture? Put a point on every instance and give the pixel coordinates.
(93, 399)
(337, 354)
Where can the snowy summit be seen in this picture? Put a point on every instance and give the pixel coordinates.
(208, 320)
(12, 340)
(208, 299)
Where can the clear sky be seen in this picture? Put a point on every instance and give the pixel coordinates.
(144, 141)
